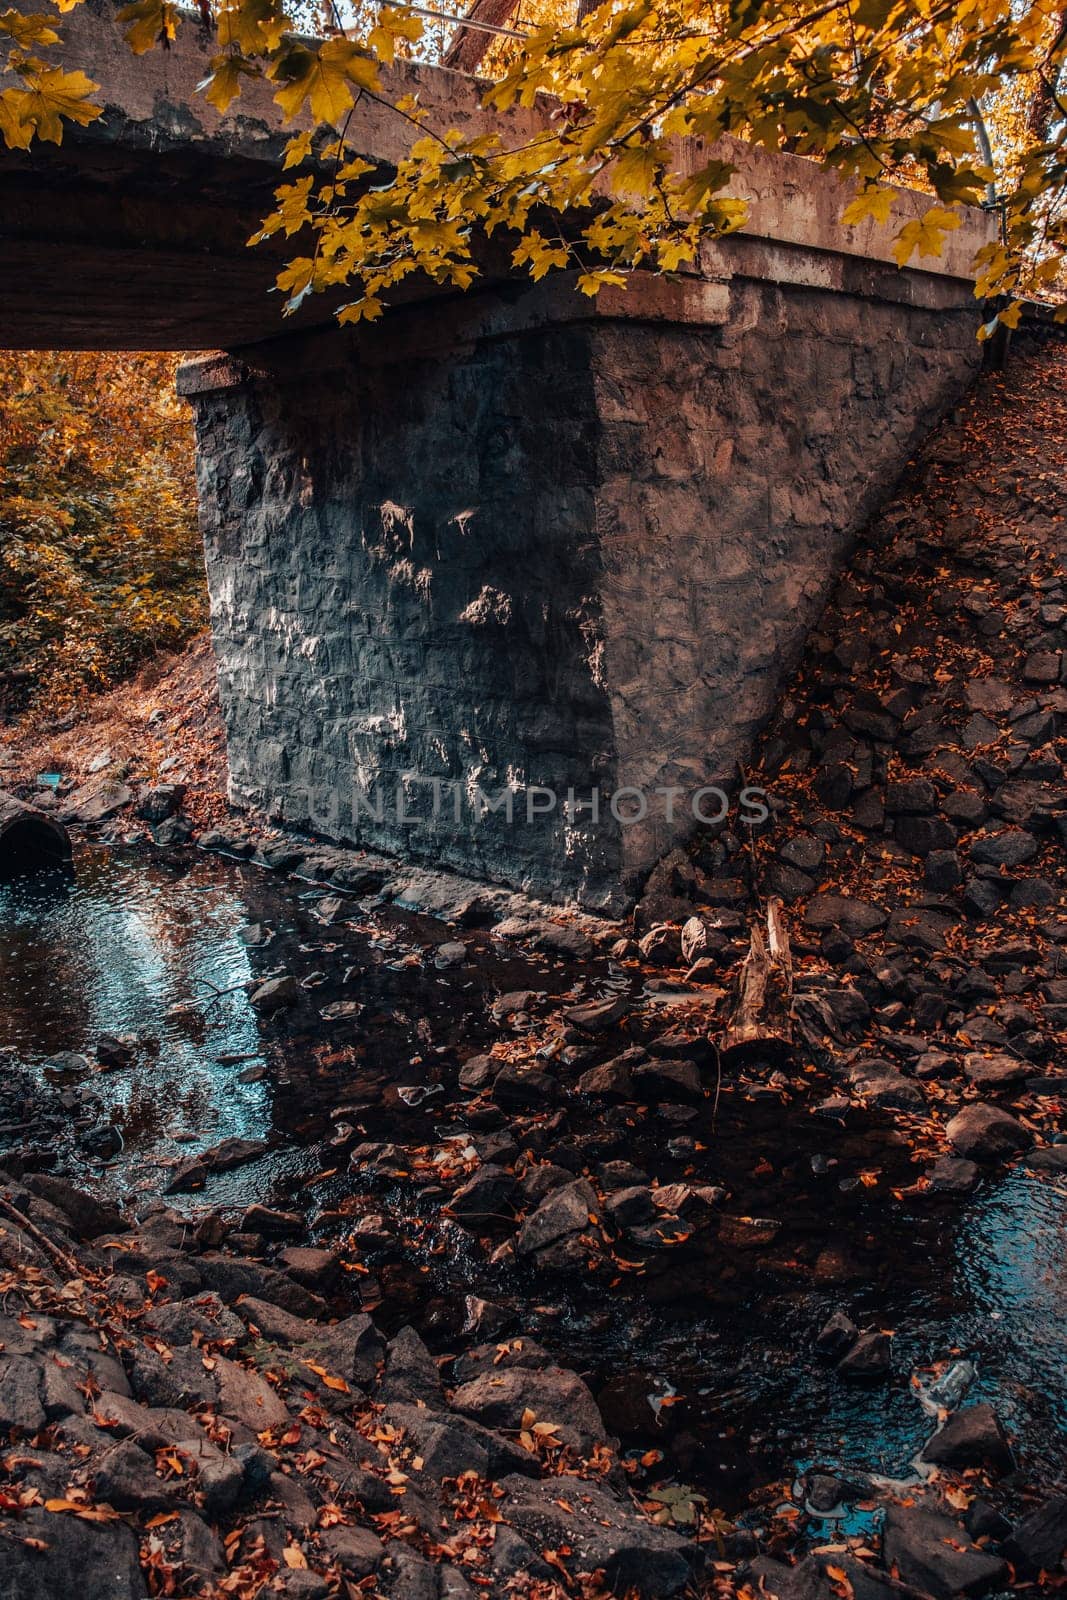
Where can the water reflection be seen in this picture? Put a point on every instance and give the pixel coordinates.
(128, 948)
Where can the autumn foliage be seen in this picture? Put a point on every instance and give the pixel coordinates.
(100, 559)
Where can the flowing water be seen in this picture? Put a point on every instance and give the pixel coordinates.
(706, 1354)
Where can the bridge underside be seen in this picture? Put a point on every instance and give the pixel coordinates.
(511, 543)
(101, 250)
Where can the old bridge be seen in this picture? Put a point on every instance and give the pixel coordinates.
(508, 540)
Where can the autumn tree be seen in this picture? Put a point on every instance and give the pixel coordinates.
(875, 89)
(100, 558)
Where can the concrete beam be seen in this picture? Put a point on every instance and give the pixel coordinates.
(132, 234)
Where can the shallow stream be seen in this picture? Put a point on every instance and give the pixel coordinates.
(167, 949)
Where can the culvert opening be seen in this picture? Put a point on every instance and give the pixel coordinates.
(30, 844)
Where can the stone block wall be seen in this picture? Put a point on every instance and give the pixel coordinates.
(522, 541)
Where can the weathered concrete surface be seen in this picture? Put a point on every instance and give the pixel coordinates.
(133, 233)
(518, 539)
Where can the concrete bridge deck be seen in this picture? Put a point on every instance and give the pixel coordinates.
(133, 233)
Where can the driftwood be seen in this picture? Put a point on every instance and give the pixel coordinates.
(763, 1015)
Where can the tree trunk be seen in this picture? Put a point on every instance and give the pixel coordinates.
(467, 49)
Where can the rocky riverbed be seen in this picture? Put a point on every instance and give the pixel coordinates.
(536, 1286)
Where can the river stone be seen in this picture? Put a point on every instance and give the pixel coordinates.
(953, 1175)
(483, 1196)
(21, 1408)
(990, 695)
(160, 801)
(357, 1551)
(500, 1398)
(200, 1318)
(104, 1559)
(564, 1212)
(601, 1533)
(869, 1359)
(1039, 1543)
(995, 1071)
(972, 1437)
(985, 1133)
(934, 1554)
(95, 803)
(853, 917)
(450, 1445)
(275, 994)
(1009, 848)
(232, 1277)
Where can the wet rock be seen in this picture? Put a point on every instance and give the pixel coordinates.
(972, 1437)
(985, 1133)
(600, 1533)
(1039, 1542)
(160, 801)
(953, 1175)
(114, 1052)
(274, 1224)
(275, 994)
(564, 1212)
(870, 1358)
(450, 954)
(934, 1554)
(1052, 1158)
(224, 1157)
(500, 1398)
(856, 918)
(484, 1196)
(104, 1140)
(748, 1233)
(837, 1336)
(311, 1266)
